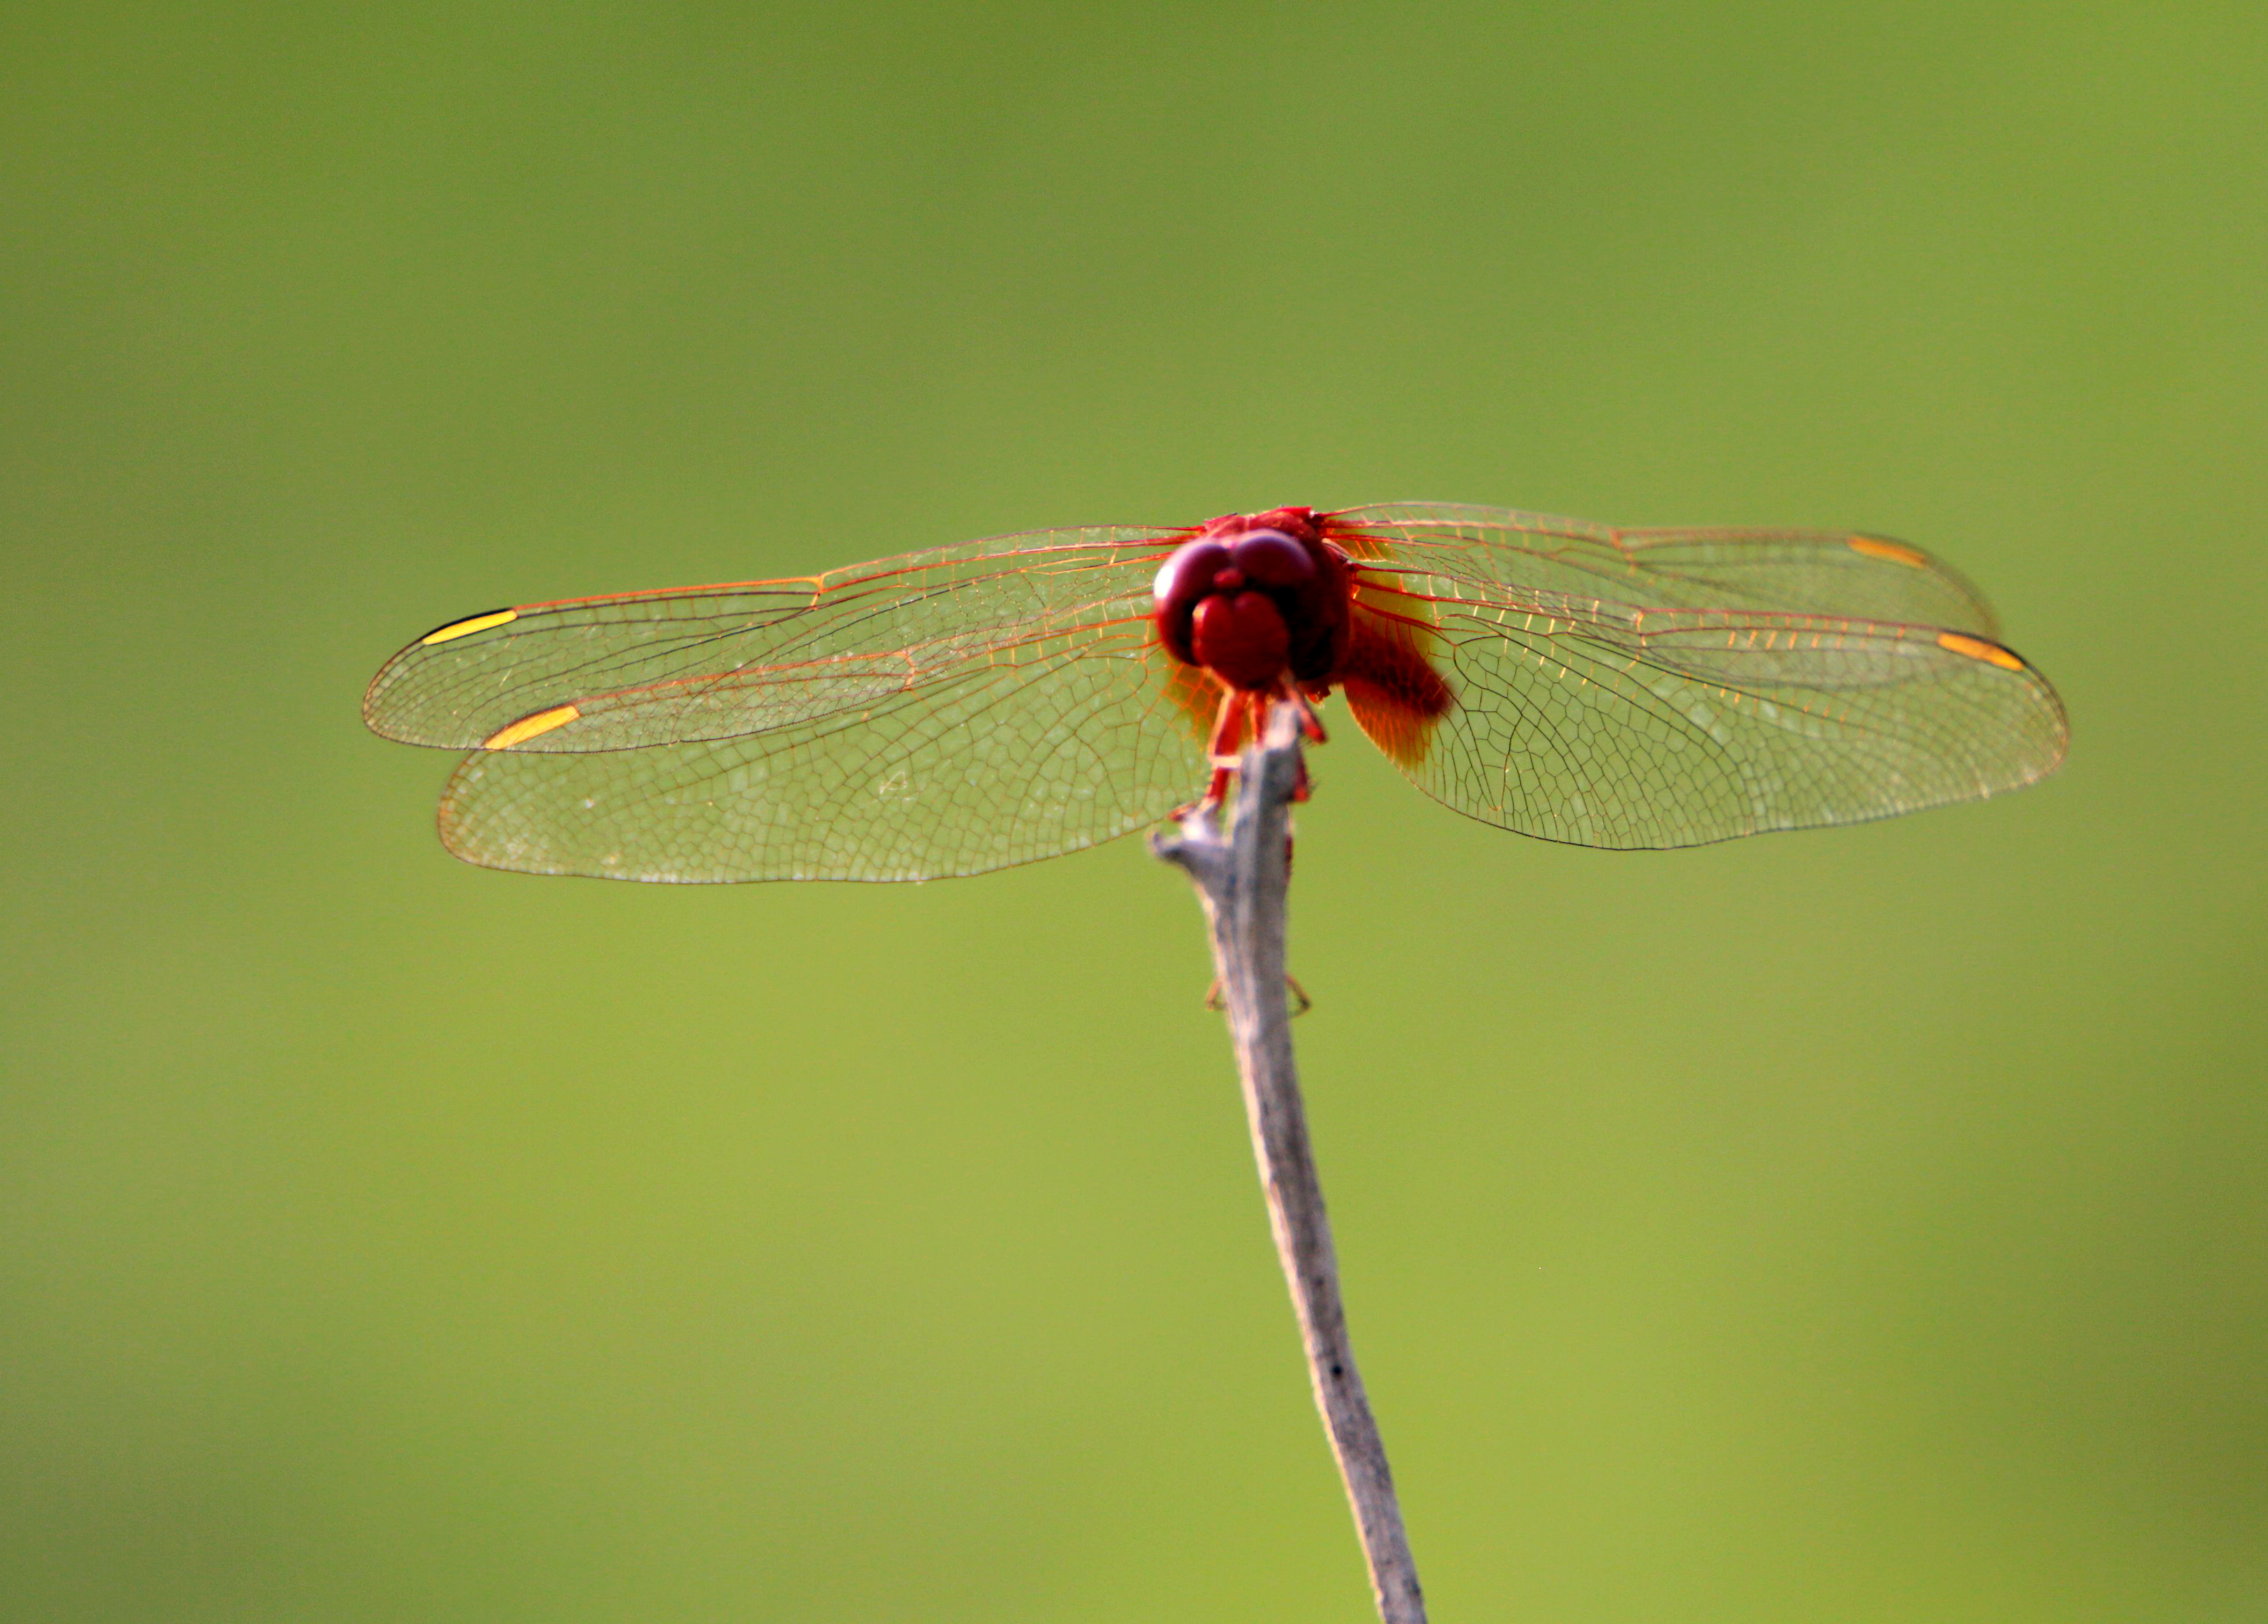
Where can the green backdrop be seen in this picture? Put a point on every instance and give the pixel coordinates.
(1865, 1226)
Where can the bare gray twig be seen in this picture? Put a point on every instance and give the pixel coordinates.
(1242, 876)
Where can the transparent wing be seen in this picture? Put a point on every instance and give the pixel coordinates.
(722, 662)
(989, 767)
(940, 713)
(1536, 558)
(1670, 688)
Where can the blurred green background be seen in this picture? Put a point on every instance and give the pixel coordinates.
(1867, 1225)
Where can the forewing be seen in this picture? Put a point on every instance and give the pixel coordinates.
(936, 713)
(1671, 688)
(706, 663)
(1555, 563)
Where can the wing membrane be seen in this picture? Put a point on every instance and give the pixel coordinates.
(949, 712)
(990, 765)
(1670, 688)
(937, 714)
(712, 663)
(1563, 561)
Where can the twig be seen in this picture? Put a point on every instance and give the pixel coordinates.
(1242, 876)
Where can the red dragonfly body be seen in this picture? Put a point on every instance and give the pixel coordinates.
(958, 710)
(1265, 603)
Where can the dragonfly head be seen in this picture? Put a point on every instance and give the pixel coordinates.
(1255, 596)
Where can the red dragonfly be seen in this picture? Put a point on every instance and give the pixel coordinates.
(955, 711)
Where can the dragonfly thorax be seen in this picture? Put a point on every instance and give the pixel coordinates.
(1255, 598)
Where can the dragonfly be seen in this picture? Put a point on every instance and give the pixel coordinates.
(970, 708)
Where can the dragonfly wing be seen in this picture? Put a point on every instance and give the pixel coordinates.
(723, 662)
(941, 713)
(1608, 688)
(988, 766)
(1831, 572)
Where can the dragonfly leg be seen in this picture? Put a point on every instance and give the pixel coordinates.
(1311, 725)
(1243, 715)
(1311, 728)
(1228, 742)
(1214, 1002)
(1222, 750)
(1215, 792)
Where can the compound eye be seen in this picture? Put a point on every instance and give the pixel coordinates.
(1270, 558)
(1187, 574)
